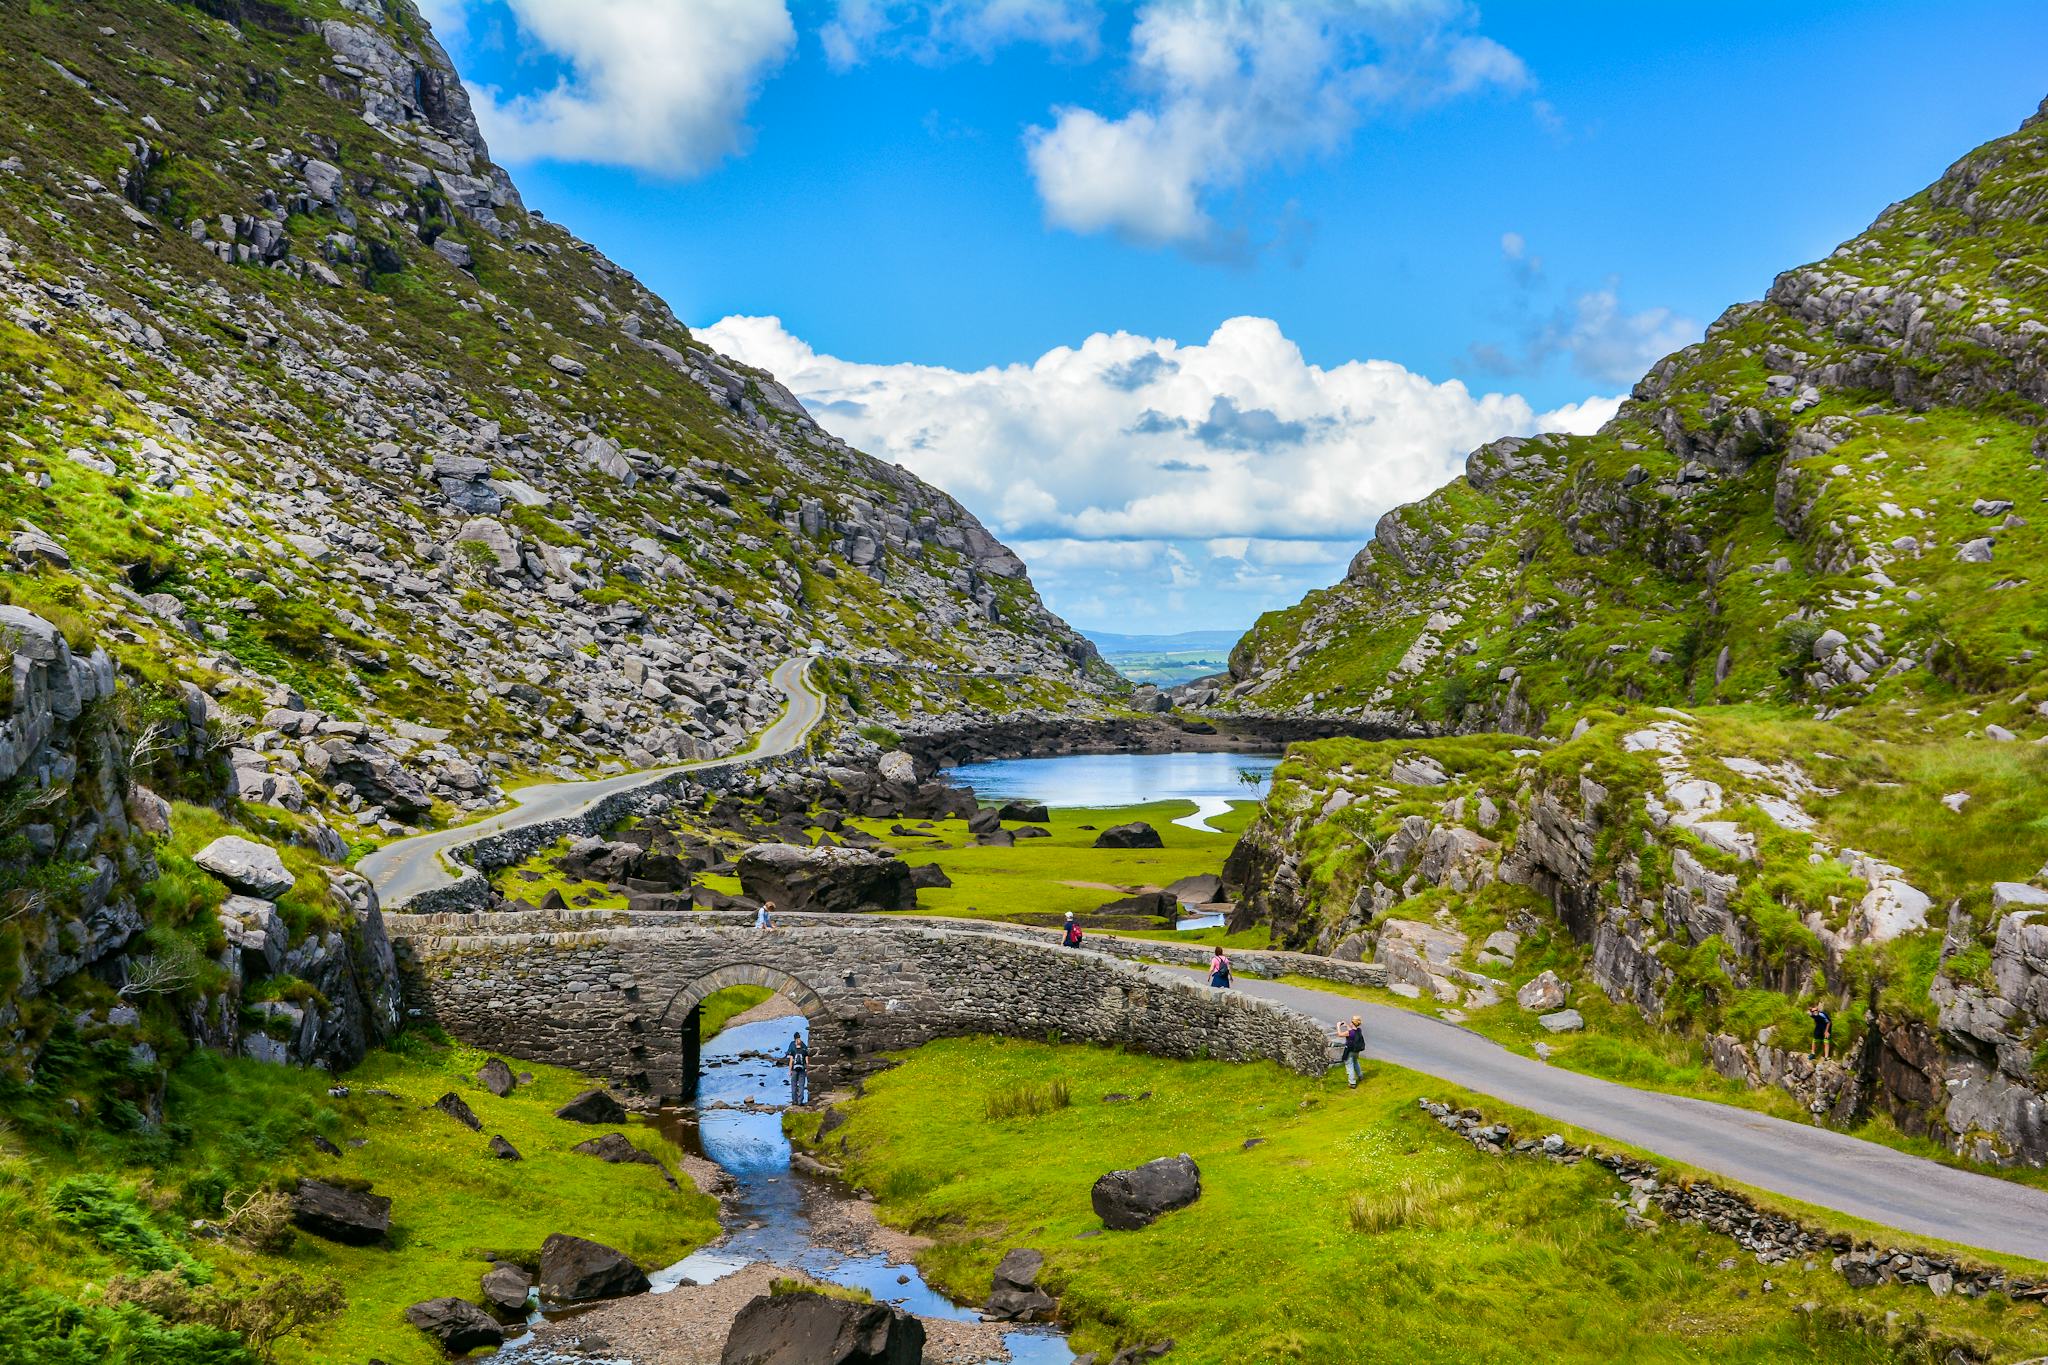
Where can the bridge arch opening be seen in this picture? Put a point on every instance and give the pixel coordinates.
(684, 1012)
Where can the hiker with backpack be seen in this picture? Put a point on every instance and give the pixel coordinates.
(1219, 970)
(1070, 936)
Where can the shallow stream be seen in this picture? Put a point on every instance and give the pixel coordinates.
(767, 1213)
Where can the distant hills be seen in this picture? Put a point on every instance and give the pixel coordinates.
(1165, 660)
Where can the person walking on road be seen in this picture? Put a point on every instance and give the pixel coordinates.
(1071, 935)
(764, 918)
(1219, 970)
(799, 1058)
(1354, 1050)
(1823, 1032)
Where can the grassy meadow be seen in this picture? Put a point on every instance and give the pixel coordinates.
(1337, 1225)
(237, 1127)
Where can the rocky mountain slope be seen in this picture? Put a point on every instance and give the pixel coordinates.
(317, 427)
(1739, 704)
(1831, 500)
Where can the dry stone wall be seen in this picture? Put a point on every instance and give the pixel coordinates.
(610, 993)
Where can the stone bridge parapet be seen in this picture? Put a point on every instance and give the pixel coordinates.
(614, 993)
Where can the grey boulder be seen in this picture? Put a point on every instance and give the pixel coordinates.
(828, 880)
(1014, 1295)
(574, 1270)
(506, 1287)
(249, 867)
(1126, 1200)
(813, 1329)
(353, 1217)
(459, 1325)
(593, 1106)
(496, 1077)
(1137, 834)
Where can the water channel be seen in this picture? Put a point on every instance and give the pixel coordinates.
(737, 1123)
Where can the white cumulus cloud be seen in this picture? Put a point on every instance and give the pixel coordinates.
(653, 85)
(1230, 464)
(1226, 88)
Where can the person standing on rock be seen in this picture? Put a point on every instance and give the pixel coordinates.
(1823, 1032)
(1071, 935)
(1219, 970)
(1354, 1050)
(799, 1058)
(764, 918)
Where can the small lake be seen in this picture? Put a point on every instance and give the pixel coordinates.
(1098, 780)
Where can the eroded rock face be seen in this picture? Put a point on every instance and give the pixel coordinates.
(836, 880)
(1126, 1200)
(813, 1329)
(573, 1270)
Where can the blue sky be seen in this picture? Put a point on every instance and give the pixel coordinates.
(1179, 296)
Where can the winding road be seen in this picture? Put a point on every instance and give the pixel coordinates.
(1810, 1164)
(404, 869)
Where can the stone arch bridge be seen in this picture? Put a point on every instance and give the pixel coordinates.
(615, 993)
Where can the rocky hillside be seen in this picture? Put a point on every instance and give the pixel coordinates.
(326, 436)
(1834, 499)
(1737, 706)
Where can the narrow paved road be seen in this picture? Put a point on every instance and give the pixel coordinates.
(404, 869)
(1815, 1165)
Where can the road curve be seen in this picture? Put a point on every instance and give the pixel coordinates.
(404, 869)
(1815, 1165)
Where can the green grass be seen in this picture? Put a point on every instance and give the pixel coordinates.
(239, 1126)
(1035, 880)
(1356, 1230)
(724, 1006)
(531, 879)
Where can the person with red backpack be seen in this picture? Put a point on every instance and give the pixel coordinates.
(1071, 936)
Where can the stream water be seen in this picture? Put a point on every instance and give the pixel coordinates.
(766, 1214)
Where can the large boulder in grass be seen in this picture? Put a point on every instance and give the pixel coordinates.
(827, 880)
(617, 1149)
(455, 1107)
(1014, 1295)
(573, 1270)
(249, 867)
(459, 1325)
(1025, 812)
(496, 1077)
(593, 1106)
(1137, 834)
(1125, 1200)
(354, 1217)
(929, 876)
(814, 1329)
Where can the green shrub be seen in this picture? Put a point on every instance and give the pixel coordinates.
(112, 1219)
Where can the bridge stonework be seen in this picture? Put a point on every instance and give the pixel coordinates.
(614, 993)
